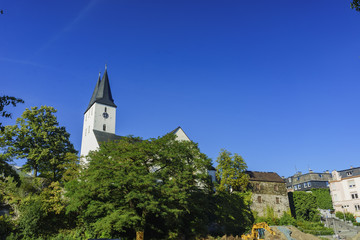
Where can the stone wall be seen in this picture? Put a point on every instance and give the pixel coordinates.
(269, 194)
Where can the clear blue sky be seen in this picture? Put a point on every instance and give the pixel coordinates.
(275, 81)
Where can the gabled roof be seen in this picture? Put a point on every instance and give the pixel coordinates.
(105, 136)
(264, 177)
(180, 133)
(102, 93)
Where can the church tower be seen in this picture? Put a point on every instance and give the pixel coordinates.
(99, 117)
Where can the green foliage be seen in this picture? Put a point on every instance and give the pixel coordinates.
(345, 216)
(323, 198)
(38, 138)
(232, 213)
(5, 101)
(355, 4)
(131, 181)
(6, 226)
(305, 206)
(230, 171)
(287, 219)
(315, 228)
(272, 219)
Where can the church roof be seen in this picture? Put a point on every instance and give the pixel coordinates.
(102, 93)
(105, 136)
(264, 176)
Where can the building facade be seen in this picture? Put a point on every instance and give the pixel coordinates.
(308, 181)
(268, 191)
(345, 190)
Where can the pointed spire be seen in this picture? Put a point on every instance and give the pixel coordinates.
(102, 93)
(93, 97)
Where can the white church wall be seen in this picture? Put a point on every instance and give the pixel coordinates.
(99, 120)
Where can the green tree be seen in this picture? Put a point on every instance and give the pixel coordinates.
(355, 4)
(232, 199)
(305, 206)
(230, 172)
(131, 181)
(323, 198)
(5, 101)
(5, 168)
(38, 138)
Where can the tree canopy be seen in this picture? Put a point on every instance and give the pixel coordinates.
(38, 137)
(5, 101)
(131, 181)
(355, 4)
(230, 172)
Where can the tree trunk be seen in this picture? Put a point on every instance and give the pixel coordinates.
(139, 235)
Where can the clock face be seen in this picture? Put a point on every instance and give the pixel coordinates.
(105, 115)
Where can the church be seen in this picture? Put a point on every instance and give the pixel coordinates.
(100, 118)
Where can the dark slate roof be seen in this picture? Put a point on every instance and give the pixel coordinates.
(102, 93)
(264, 176)
(105, 136)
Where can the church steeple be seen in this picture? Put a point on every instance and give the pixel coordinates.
(102, 93)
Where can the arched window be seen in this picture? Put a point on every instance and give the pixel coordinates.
(104, 127)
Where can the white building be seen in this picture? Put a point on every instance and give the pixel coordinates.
(345, 190)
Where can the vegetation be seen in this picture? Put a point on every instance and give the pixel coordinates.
(131, 184)
(305, 206)
(323, 198)
(346, 216)
(230, 172)
(355, 4)
(5, 101)
(38, 138)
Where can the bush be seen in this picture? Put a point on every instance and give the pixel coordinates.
(287, 219)
(315, 228)
(345, 216)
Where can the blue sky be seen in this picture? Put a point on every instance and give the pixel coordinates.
(274, 81)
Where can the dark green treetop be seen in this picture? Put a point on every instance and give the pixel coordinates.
(127, 182)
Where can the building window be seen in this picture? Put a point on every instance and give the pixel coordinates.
(354, 196)
(277, 200)
(305, 185)
(351, 184)
(320, 176)
(335, 198)
(104, 127)
(259, 199)
(105, 109)
(295, 187)
(357, 207)
(309, 184)
(299, 186)
(276, 188)
(349, 173)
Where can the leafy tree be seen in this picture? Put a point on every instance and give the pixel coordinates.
(323, 198)
(230, 171)
(38, 138)
(355, 4)
(131, 182)
(5, 101)
(305, 206)
(232, 199)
